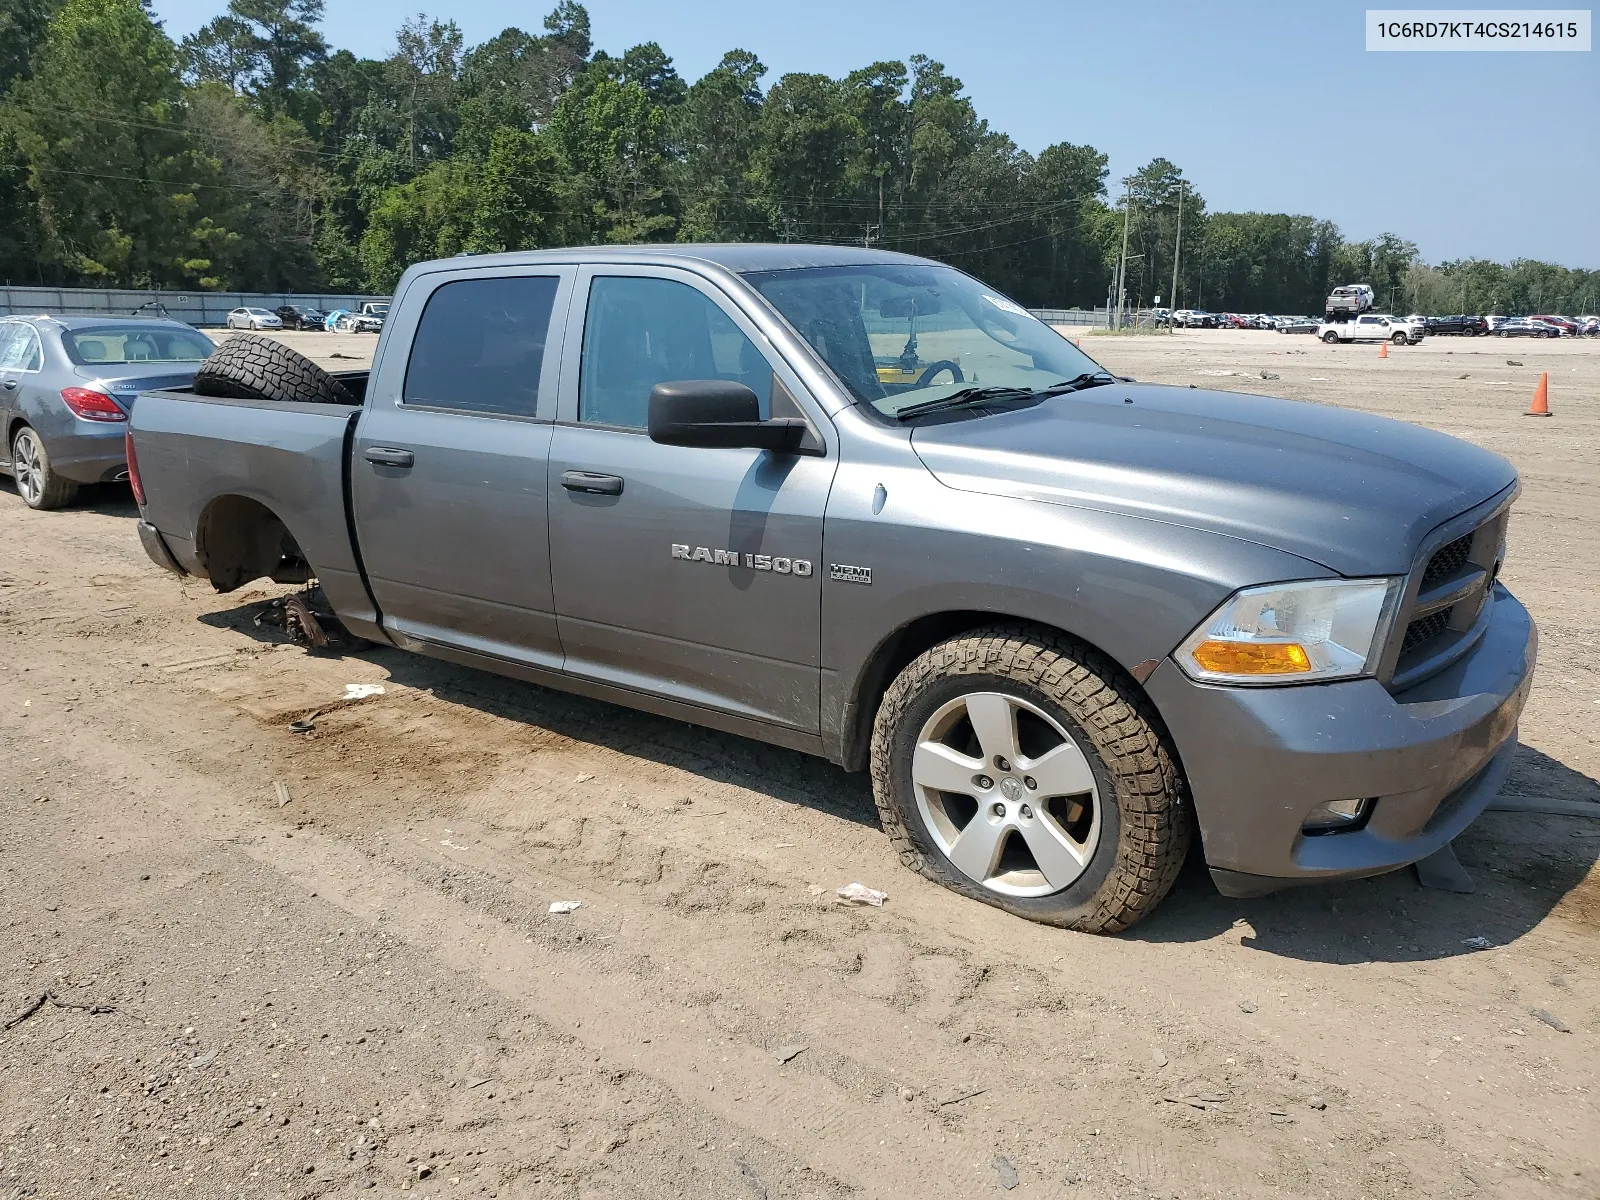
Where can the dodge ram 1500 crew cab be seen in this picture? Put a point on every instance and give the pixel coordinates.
(860, 504)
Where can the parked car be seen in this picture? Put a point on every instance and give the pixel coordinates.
(302, 316)
(67, 385)
(1462, 325)
(1298, 325)
(745, 526)
(1567, 326)
(1194, 318)
(1591, 326)
(1526, 327)
(254, 318)
(1370, 327)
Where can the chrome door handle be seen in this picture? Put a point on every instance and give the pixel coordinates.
(384, 457)
(592, 482)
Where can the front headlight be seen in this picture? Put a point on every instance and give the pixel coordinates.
(1293, 633)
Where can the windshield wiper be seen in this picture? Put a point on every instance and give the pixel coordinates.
(964, 398)
(1088, 379)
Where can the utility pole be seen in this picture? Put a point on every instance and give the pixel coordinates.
(1177, 248)
(1122, 263)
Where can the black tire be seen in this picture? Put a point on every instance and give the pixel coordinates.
(1400, 339)
(253, 366)
(1330, 338)
(1145, 822)
(37, 482)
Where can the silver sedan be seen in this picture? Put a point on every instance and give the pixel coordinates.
(67, 385)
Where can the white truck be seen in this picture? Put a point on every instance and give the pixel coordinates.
(1348, 301)
(1372, 327)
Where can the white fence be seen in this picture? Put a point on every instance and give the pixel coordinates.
(196, 308)
(212, 308)
(1098, 317)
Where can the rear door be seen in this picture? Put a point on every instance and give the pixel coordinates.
(11, 337)
(684, 572)
(448, 470)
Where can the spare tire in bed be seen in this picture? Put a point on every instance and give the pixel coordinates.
(249, 366)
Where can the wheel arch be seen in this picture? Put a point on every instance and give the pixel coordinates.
(238, 538)
(903, 644)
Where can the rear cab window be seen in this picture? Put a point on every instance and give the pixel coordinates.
(480, 346)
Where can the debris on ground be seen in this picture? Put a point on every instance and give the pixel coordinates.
(306, 617)
(1005, 1172)
(1318, 1103)
(360, 691)
(44, 998)
(1477, 943)
(1550, 1019)
(786, 1053)
(1247, 1006)
(1269, 375)
(957, 1099)
(281, 790)
(584, 778)
(1511, 362)
(752, 1181)
(1443, 872)
(561, 908)
(860, 893)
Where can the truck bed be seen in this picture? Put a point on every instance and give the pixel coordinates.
(216, 464)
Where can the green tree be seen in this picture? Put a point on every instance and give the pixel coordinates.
(23, 25)
(617, 137)
(715, 133)
(121, 196)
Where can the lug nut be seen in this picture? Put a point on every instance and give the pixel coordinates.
(984, 782)
(1027, 813)
(1033, 784)
(1001, 764)
(999, 810)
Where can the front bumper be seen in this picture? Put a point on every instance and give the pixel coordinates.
(1258, 760)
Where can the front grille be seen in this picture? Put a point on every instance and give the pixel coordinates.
(1425, 629)
(1446, 561)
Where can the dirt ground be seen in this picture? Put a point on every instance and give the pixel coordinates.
(333, 971)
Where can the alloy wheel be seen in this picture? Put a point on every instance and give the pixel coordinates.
(26, 467)
(1007, 794)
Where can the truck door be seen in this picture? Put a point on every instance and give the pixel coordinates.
(689, 573)
(448, 477)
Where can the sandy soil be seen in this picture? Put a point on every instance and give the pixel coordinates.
(360, 989)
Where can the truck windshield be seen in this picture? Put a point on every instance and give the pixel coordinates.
(117, 344)
(899, 335)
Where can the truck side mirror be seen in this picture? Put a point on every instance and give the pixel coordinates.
(717, 413)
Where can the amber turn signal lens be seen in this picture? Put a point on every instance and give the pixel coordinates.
(1252, 658)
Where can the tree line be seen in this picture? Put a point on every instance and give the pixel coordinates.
(252, 156)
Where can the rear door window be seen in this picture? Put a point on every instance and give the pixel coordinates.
(480, 346)
(19, 349)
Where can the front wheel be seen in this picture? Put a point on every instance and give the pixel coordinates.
(1016, 766)
(1400, 339)
(37, 482)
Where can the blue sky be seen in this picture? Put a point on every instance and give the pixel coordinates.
(1268, 106)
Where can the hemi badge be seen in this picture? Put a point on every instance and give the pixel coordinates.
(848, 574)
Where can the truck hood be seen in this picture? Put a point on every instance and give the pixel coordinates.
(1353, 492)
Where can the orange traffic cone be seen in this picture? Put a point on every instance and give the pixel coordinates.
(1541, 398)
(1383, 350)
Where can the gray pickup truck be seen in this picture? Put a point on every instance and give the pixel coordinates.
(859, 504)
